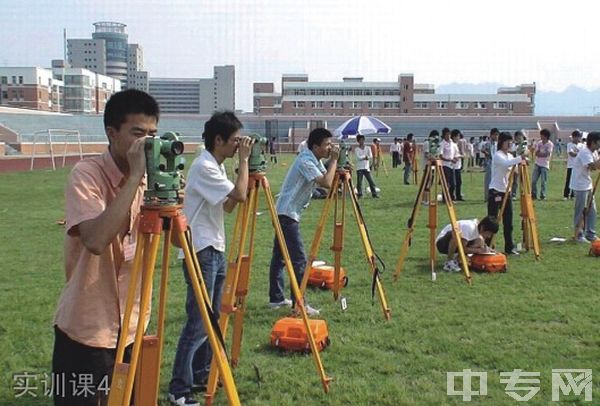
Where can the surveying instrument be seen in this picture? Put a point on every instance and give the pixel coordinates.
(520, 173)
(378, 160)
(433, 176)
(343, 181)
(239, 262)
(161, 214)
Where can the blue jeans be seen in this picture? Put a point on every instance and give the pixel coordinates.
(407, 171)
(193, 355)
(581, 200)
(293, 240)
(539, 172)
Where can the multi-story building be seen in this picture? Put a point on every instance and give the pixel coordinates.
(196, 96)
(108, 53)
(30, 88)
(85, 92)
(353, 96)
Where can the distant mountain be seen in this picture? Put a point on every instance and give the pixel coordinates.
(573, 101)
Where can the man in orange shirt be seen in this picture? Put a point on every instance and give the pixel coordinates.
(103, 198)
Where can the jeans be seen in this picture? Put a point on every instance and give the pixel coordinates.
(193, 355)
(407, 172)
(449, 175)
(458, 183)
(395, 159)
(539, 172)
(293, 240)
(359, 175)
(494, 202)
(581, 199)
(567, 192)
(487, 178)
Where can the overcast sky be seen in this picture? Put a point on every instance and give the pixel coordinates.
(552, 43)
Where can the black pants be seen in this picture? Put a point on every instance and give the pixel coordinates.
(494, 203)
(395, 159)
(367, 174)
(567, 192)
(458, 184)
(449, 175)
(74, 363)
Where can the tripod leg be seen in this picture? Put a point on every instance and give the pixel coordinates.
(121, 370)
(244, 281)
(204, 308)
(411, 223)
(146, 293)
(234, 263)
(530, 218)
(316, 242)
(370, 255)
(338, 237)
(432, 222)
(294, 283)
(454, 223)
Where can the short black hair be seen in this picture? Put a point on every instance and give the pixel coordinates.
(494, 131)
(503, 137)
(576, 133)
(489, 224)
(222, 123)
(545, 132)
(454, 133)
(519, 132)
(130, 101)
(360, 137)
(592, 137)
(434, 133)
(317, 136)
(445, 131)
(409, 136)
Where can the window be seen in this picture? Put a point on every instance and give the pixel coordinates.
(500, 105)
(479, 105)
(4, 80)
(388, 105)
(336, 105)
(4, 94)
(317, 105)
(375, 105)
(299, 104)
(441, 105)
(462, 105)
(356, 105)
(421, 105)
(14, 80)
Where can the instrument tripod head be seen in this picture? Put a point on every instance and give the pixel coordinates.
(164, 166)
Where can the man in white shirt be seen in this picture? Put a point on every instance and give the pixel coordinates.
(458, 154)
(208, 194)
(573, 148)
(364, 156)
(489, 150)
(581, 184)
(502, 164)
(473, 235)
(448, 160)
(543, 154)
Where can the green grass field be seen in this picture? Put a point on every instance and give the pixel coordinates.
(541, 315)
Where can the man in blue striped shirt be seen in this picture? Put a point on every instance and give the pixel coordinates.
(306, 172)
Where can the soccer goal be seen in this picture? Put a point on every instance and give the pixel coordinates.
(53, 136)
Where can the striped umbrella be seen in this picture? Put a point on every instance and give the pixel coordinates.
(362, 125)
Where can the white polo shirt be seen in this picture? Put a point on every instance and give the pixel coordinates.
(447, 153)
(581, 179)
(573, 147)
(205, 192)
(501, 165)
(468, 230)
(361, 154)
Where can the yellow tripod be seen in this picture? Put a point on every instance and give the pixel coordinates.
(237, 280)
(343, 179)
(157, 219)
(432, 177)
(528, 218)
(379, 161)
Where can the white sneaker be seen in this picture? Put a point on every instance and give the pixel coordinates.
(311, 311)
(283, 303)
(184, 400)
(452, 266)
(582, 239)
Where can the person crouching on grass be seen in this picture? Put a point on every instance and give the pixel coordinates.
(474, 235)
(502, 163)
